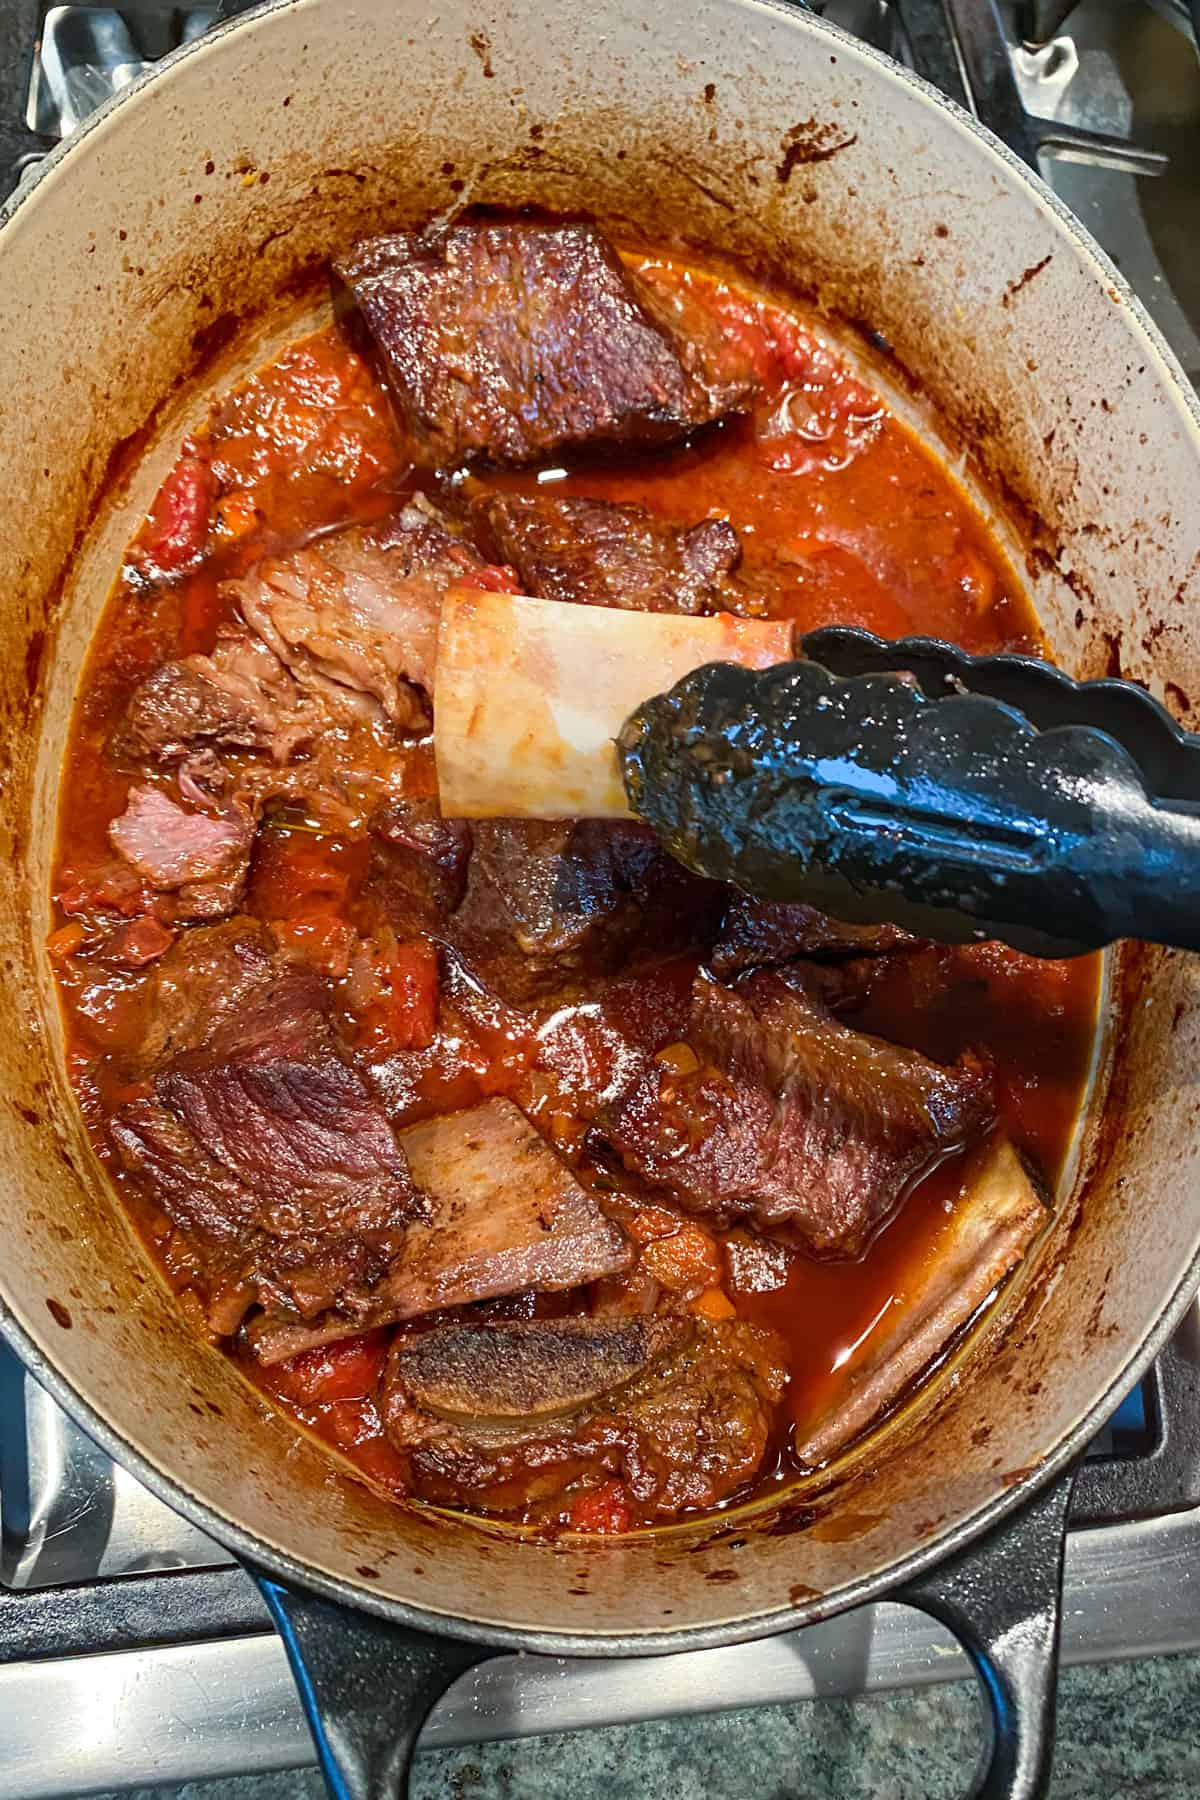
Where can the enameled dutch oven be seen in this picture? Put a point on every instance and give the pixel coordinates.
(164, 250)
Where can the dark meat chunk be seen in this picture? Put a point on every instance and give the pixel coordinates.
(239, 698)
(504, 1415)
(756, 1265)
(265, 1148)
(597, 553)
(527, 1369)
(138, 943)
(549, 904)
(358, 613)
(272, 1101)
(805, 1129)
(170, 847)
(177, 708)
(758, 933)
(425, 544)
(599, 1051)
(204, 1202)
(509, 340)
(199, 856)
(506, 1217)
(209, 974)
(237, 1260)
(418, 863)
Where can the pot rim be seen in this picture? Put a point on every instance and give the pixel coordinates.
(281, 1563)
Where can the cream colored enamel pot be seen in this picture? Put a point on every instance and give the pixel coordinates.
(201, 196)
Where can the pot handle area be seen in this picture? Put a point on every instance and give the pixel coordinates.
(366, 1686)
(1002, 1600)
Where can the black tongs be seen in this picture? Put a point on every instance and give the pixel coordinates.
(962, 797)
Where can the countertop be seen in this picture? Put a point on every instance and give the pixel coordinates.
(1130, 1730)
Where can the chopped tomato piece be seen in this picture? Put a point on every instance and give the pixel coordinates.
(66, 939)
(113, 887)
(203, 610)
(680, 1059)
(404, 1017)
(495, 578)
(685, 1262)
(321, 937)
(237, 514)
(292, 868)
(604, 1509)
(140, 942)
(380, 1463)
(652, 1222)
(301, 885)
(713, 1304)
(176, 528)
(309, 437)
(348, 1370)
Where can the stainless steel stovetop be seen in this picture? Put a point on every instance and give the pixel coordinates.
(132, 1650)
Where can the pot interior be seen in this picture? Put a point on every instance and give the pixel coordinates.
(170, 249)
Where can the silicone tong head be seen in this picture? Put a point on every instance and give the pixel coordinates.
(1166, 756)
(961, 797)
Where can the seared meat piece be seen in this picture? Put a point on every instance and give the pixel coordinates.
(597, 553)
(177, 708)
(239, 1259)
(201, 857)
(527, 1369)
(271, 1100)
(507, 1217)
(269, 1154)
(758, 933)
(426, 545)
(755, 1265)
(138, 943)
(209, 1206)
(509, 340)
(807, 1130)
(210, 973)
(549, 903)
(358, 612)
(418, 863)
(995, 1219)
(239, 698)
(499, 1415)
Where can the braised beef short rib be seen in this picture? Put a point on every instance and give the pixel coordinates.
(239, 698)
(418, 863)
(549, 904)
(197, 851)
(598, 553)
(506, 1216)
(510, 339)
(761, 933)
(791, 1122)
(357, 613)
(494, 1414)
(263, 1146)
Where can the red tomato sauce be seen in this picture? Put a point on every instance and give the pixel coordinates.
(859, 523)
